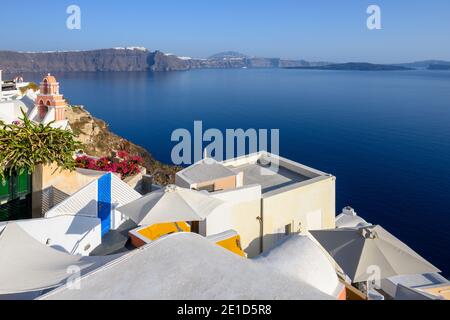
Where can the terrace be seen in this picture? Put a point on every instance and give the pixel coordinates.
(272, 173)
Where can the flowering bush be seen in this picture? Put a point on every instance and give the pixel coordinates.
(122, 154)
(128, 166)
(85, 162)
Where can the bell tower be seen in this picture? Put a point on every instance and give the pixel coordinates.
(50, 100)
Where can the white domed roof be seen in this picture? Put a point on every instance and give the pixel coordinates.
(299, 257)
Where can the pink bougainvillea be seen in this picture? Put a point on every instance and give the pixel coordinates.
(86, 162)
(128, 166)
(122, 154)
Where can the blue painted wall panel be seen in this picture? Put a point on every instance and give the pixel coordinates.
(104, 202)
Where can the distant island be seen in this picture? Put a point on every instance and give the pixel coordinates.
(358, 66)
(142, 59)
(425, 64)
(438, 67)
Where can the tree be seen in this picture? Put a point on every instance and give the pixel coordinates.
(26, 144)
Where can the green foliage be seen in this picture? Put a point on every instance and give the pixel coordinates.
(25, 145)
(31, 85)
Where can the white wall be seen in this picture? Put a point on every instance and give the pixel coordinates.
(50, 116)
(222, 218)
(304, 207)
(11, 110)
(84, 203)
(7, 111)
(121, 194)
(240, 213)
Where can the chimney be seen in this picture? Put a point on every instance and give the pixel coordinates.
(349, 211)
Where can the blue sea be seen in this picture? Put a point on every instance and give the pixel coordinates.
(384, 135)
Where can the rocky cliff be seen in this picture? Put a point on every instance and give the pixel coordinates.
(96, 60)
(130, 59)
(100, 141)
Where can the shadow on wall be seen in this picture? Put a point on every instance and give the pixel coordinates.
(256, 245)
(47, 199)
(74, 228)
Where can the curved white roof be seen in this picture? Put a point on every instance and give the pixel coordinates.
(299, 257)
(28, 265)
(186, 266)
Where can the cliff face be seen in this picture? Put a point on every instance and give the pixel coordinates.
(96, 60)
(159, 61)
(100, 141)
(129, 60)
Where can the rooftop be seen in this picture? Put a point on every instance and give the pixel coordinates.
(269, 171)
(50, 79)
(268, 178)
(200, 268)
(206, 170)
(272, 172)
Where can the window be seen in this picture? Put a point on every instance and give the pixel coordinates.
(209, 188)
(45, 87)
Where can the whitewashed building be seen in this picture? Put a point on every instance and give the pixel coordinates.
(45, 106)
(268, 198)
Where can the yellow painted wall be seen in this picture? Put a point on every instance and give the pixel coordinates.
(66, 181)
(286, 206)
(293, 206)
(244, 220)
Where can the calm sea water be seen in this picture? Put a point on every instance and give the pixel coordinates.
(384, 135)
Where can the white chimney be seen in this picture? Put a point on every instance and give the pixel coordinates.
(349, 211)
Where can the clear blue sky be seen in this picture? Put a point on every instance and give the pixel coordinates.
(331, 30)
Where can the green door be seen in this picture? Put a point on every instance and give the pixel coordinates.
(15, 197)
(5, 190)
(22, 185)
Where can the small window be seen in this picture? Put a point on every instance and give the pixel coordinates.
(209, 188)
